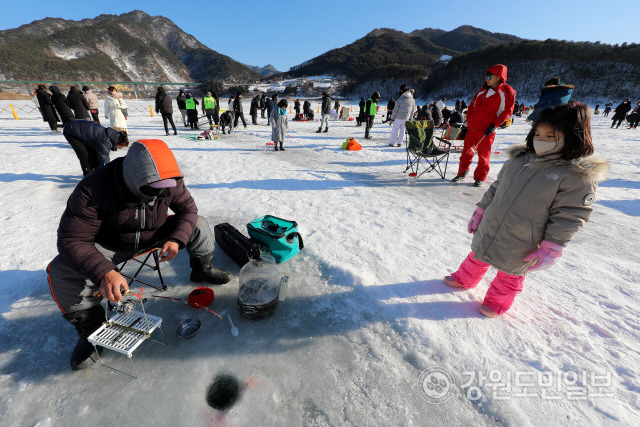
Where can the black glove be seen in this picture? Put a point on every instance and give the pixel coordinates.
(490, 130)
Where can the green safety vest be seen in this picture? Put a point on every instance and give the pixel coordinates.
(372, 110)
(191, 104)
(209, 103)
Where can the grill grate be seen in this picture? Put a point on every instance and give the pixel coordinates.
(123, 340)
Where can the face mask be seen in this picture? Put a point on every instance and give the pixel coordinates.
(544, 148)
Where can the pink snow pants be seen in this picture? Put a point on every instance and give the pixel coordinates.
(503, 289)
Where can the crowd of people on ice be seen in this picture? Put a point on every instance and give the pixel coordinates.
(541, 197)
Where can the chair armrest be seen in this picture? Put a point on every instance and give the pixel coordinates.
(443, 141)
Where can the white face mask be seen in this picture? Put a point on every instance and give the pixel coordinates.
(544, 148)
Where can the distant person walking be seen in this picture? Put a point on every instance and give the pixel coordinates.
(401, 112)
(325, 111)
(607, 110)
(114, 107)
(553, 93)
(237, 112)
(370, 110)
(306, 110)
(490, 107)
(62, 105)
(47, 109)
(78, 104)
(263, 105)
(165, 108)
(269, 105)
(620, 113)
(253, 109)
(92, 143)
(279, 124)
(181, 100)
(336, 106)
(94, 104)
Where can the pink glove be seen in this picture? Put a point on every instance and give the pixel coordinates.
(547, 255)
(474, 222)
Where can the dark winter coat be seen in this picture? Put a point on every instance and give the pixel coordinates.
(306, 107)
(362, 104)
(62, 105)
(269, 103)
(550, 96)
(163, 102)
(108, 208)
(425, 113)
(237, 105)
(93, 135)
(621, 111)
(436, 114)
(296, 106)
(326, 105)
(455, 117)
(78, 103)
(263, 104)
(255, 105)
(391, 104)
(225, 118)
(46, 106)
(181, 101)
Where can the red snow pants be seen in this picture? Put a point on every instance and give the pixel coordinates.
(484, 153)
(503, 289)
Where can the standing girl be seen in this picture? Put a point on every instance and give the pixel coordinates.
(279, 124)
(541, 198)
(114, 107)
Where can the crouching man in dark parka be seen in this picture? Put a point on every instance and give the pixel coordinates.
(119, 211)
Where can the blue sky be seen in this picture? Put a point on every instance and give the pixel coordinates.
(285, 33)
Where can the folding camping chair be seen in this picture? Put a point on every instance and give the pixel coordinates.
(145, 263)
(453, 134)
(344, 113)
(420, 145)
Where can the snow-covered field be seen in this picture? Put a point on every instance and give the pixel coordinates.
(366, 311)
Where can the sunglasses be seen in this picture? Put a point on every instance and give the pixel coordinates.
(488, 78)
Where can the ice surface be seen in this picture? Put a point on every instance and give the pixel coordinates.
(366, 310)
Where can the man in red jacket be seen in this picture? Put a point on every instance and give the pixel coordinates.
(491, 106)
(119, 211)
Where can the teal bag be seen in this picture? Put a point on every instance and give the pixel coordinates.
(279, 236)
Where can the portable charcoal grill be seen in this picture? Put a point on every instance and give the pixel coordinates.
(124, 333)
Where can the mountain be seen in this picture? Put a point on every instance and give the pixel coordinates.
(266, 71)
(598, 71)
(129, 47)
(387, 53)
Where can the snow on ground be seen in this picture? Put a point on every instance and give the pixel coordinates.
(366, 311)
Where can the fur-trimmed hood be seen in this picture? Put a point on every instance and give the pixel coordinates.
(591, 169)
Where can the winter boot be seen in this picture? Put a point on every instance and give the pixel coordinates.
(319, 129)
(86, 322)
(478, 183)
(281, 147)
(326, 129)
(202, 270)
(460, 177)
(486, 311)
